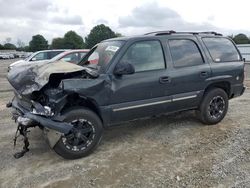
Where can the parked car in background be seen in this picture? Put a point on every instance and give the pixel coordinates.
(11, 56)
(5, 56)
(71, 56)
(38, 56)
(245, 51)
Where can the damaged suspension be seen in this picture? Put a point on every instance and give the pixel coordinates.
(22, 129)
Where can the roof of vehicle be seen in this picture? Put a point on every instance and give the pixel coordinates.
(54, 50)
(167, 33)
(77, 50)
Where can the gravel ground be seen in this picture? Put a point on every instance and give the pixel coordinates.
(168, 151)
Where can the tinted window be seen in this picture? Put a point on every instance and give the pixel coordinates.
(146, 55)
(185, 53)
(221, 49)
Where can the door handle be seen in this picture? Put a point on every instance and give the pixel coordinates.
(203, 74)
(164, 79)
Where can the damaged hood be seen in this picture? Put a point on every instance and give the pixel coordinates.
(28, 79)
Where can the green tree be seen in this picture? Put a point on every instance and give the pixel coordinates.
(73, 41)
(241, 39)
(7, 40)
(9, 46)
(98, 34)
(37, 43)
(58, 43)
(1, 46)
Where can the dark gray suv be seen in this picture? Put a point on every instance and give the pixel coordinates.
(123, 79)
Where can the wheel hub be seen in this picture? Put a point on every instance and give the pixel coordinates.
(81, 135)
(216, 107)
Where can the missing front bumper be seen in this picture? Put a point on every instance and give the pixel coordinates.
(25, 117)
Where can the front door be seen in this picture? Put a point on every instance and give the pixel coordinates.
(146, 91)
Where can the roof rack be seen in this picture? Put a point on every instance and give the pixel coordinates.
(157, 33)
(161, 33)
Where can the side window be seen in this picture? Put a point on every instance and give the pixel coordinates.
(72, 58)
(185, 53)
(145, 55)
(221, 49)
(40, 56)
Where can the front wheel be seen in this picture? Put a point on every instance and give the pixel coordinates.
(213, 107)
(85, 135)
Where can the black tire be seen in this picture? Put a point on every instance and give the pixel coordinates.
(82, 119)
(213, 107)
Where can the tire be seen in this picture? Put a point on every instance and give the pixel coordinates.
(213, 107)
(87, 134)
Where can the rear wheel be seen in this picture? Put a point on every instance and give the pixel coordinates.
(213, 107)
(85, 135)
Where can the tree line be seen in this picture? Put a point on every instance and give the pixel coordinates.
(71, 40)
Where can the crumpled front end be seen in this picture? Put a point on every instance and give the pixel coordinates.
(32, 114)
(39, 98)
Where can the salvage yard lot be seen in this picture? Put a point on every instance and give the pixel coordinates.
(167, 151)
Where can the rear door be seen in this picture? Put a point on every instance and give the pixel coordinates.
(189, 72)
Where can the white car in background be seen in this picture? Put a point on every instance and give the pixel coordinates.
(37, 56)
(71, 56)
(4, 56)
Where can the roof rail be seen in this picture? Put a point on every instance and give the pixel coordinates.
(157, 33)
(160, 33)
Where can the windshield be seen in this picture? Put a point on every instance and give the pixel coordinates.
(29, 57)
(102, 54)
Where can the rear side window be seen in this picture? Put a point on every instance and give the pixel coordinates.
(185, 53)
(221, 49)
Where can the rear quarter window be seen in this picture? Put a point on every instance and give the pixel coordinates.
(221, 49)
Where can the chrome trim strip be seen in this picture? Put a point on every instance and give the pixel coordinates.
(154, 103)
(141, 105)
(183, 98)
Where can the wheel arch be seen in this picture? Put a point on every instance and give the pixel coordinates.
(225, 85)
(75, 100)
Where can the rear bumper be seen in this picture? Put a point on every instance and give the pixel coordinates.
(237, 90)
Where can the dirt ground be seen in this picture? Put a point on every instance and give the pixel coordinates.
(168, 151)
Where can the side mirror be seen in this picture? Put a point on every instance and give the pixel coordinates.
(123, 68)
(33, 59)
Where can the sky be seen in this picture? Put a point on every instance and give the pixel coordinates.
(21, 19)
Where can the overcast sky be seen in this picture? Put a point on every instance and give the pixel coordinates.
(20, 19)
